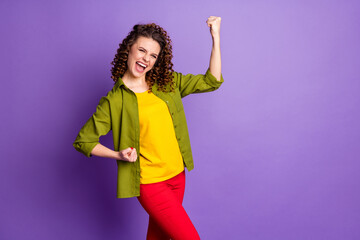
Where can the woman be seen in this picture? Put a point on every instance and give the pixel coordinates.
(146, 116)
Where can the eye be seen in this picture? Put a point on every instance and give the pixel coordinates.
(141, 50)
(154, 56)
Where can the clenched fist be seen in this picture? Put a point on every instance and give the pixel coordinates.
(214, 23)
(128, 154)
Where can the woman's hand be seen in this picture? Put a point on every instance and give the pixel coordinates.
(128, 155)
(214, 23)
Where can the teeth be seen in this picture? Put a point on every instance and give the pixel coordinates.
(143, 65)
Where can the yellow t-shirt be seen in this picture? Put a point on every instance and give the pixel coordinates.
(160, 156)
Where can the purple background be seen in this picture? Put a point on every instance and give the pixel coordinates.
(276, 148)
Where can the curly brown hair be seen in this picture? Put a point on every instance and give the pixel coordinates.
(161, 73)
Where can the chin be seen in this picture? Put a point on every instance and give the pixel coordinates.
(138, 74)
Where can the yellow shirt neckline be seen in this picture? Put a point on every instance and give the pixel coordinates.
(138, 93)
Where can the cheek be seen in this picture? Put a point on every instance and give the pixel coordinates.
(128, 63)
(131, 54)
(130, 60)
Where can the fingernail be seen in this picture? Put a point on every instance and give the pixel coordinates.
(132, 148)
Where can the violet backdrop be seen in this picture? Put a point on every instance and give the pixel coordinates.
(276, 148)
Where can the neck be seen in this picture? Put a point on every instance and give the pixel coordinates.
(130, 80)
(135, 84)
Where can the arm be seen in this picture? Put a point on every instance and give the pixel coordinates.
(99, 124)
(215, 58)
(200, 83)
(213, 78)
(128, 154)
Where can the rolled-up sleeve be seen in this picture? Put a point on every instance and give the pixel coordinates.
(99, 124)
(199, 83)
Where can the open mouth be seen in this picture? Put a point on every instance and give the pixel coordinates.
(142, 65)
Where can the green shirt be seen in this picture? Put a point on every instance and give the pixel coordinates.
(118, 111)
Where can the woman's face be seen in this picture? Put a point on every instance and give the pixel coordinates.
(142, 56)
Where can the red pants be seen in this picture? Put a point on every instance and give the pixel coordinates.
(167, 217)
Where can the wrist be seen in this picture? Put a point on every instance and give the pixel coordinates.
(116, 155)
(216, 38)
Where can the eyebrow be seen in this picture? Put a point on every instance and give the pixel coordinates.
(147, 50)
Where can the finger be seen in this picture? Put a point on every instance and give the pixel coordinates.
(131, 150)
(131, 159)
(210, 19)
(214, 19)
(133, 156)
(126, 158)
(126, 151)
(212, 22)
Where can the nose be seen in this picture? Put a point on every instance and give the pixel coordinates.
(146, 57)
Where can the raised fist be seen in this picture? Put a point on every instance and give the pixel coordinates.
(214, 23)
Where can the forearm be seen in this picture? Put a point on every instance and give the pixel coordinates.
(215, 58)
(102, 151)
